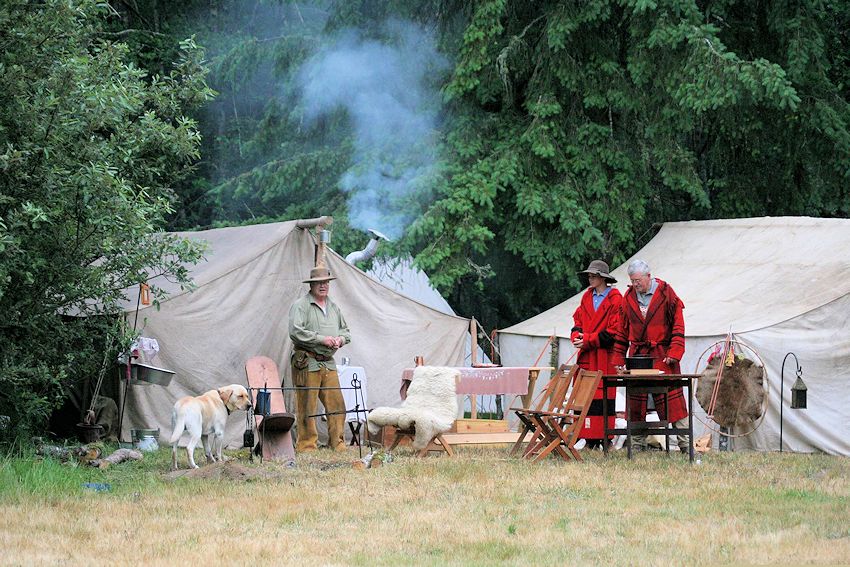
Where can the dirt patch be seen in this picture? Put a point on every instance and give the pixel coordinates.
(228, 470)
(239, 469)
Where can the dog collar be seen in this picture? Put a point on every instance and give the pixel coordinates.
(227, 408)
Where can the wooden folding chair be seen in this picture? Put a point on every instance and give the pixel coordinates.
(559, 430)
(550, 399)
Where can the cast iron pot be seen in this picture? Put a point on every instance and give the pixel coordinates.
(639, 362)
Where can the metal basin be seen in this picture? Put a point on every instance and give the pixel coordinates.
(144, 374)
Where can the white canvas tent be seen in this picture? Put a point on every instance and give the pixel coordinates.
(240, 309)
(780, 284)
(402, 276)
(405, 278)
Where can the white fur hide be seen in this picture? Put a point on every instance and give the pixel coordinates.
(430, 407)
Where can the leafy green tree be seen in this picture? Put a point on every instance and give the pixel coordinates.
(90, 146)
(578, 125)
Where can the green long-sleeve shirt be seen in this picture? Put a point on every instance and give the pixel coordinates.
(309, 326)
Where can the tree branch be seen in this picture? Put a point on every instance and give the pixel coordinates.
(135, 11)
(128, 31)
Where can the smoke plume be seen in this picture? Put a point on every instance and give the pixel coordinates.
(389, 92)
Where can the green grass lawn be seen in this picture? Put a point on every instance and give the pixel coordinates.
(479, 508)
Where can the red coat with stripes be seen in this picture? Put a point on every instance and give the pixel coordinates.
(660, 334)
(598, 328)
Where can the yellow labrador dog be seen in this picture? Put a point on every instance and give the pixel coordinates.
(203, 416)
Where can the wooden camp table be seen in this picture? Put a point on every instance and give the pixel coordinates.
(518, 381)
(649, 384)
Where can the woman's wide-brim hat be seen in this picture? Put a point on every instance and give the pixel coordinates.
(599, 268)
(319, 275)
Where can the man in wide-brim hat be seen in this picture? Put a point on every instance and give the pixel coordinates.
(599, 268)
(596, 321)
(317, 329)
(319, 274)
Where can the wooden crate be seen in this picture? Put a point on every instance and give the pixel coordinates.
(467, 425)
(497, 438)
(494, 437)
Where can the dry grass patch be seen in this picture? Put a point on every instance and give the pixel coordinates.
(478, 508)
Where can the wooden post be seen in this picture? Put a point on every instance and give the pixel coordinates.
(556, 348)
(319, 260)
(473, 333)
(533, 373)
(497, 360)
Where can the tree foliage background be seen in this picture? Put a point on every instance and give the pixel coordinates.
(566, 130)
(90, 145)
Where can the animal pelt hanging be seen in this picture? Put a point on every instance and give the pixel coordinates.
(741, 394)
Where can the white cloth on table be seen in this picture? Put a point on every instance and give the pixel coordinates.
(346, 376)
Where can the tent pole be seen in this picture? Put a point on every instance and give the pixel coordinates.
(473, 335)
(316, 222)
(319, 223)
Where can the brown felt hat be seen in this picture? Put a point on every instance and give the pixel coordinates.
(319, 275)
(599, 268)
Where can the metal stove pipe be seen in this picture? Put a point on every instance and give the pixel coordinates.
(368, 252)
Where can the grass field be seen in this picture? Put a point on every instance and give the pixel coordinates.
(479, 508)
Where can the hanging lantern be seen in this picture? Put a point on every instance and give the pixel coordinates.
(263, 405)
(798, 394)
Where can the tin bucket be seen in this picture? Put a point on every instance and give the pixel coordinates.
(145, 439)
(264, 403)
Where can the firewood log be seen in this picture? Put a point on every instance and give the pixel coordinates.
(118, 456)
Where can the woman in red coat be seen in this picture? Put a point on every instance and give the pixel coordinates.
(596, 323)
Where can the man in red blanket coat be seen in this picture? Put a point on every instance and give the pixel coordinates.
(652, 324)
(596, 322)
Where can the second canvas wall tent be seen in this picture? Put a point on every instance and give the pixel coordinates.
(780, 284)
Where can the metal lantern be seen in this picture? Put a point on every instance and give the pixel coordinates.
(798, 394)
(263, 405)
(325, 236)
